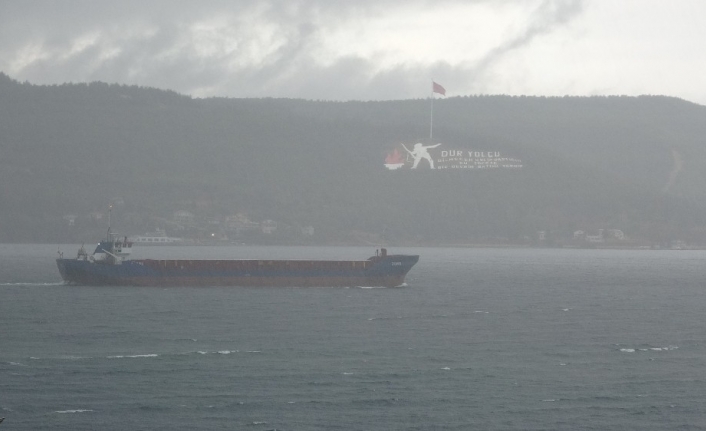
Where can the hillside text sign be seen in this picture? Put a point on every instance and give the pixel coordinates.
(438, 157)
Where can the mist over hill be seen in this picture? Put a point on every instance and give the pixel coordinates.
(316, 169)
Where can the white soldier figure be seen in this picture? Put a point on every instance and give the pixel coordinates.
(420, 152)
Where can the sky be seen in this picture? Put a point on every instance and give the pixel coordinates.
(362, 49)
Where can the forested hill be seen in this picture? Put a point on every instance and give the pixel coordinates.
(637, 164)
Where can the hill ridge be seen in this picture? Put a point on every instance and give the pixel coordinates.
(588, 163)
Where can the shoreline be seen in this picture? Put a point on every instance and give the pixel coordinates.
(394, 245)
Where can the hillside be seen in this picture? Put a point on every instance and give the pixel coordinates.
(634, 164)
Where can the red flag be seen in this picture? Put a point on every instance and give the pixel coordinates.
(436, 88)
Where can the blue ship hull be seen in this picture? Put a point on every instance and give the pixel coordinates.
(387, 270)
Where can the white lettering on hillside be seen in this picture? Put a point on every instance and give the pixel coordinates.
(402, 157)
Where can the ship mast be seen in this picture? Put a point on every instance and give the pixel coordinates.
(110, 210)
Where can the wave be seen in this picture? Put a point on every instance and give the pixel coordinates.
(74, 411)
(224, 352)
(216, 352)
(29, 283)
(147, 355)
(140, 355)
(648, 349)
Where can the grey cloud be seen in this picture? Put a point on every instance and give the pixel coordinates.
(154, 47)
(546, 18)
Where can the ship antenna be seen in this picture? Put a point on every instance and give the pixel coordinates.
(110, 210)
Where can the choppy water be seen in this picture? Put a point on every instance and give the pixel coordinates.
(479, 340)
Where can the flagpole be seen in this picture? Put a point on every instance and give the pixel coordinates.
(431, 119)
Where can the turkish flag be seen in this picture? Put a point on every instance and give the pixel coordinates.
(436, 88)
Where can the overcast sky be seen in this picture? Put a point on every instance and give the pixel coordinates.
(362, 49)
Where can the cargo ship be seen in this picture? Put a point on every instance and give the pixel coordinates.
(110, 265)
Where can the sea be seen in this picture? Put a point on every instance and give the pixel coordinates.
(477, 339)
